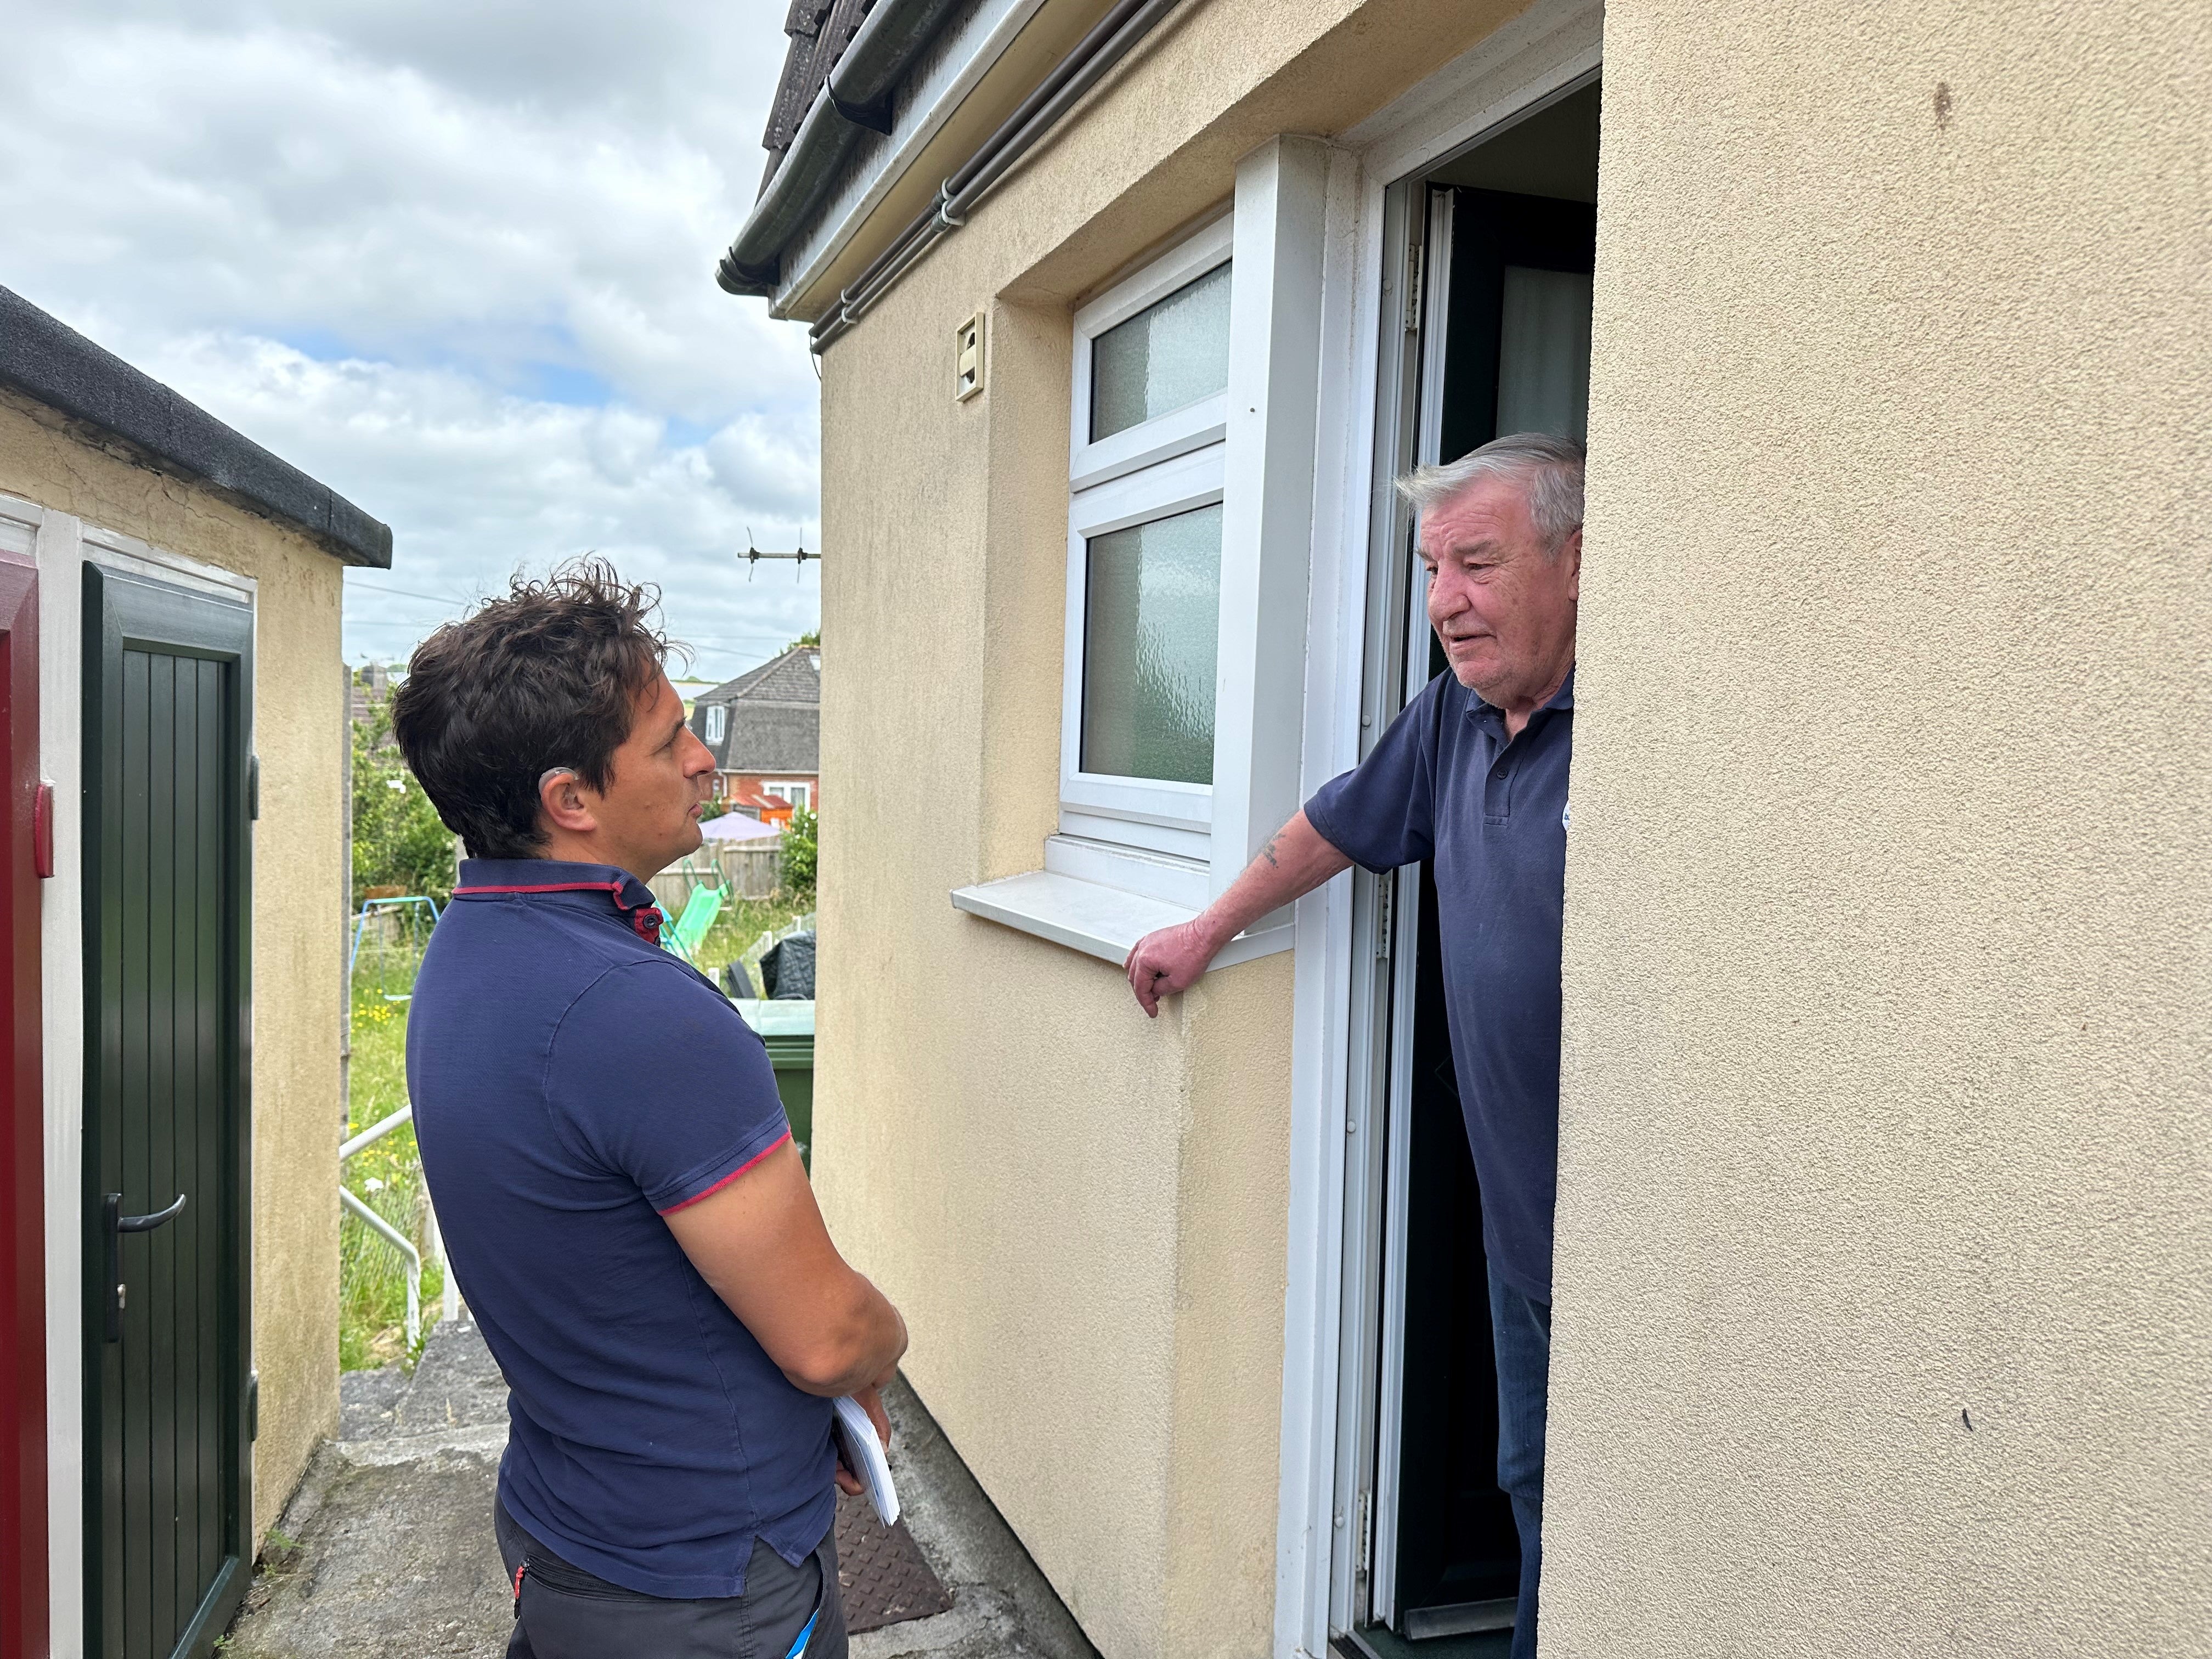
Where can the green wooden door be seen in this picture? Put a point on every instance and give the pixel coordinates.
(168, 683)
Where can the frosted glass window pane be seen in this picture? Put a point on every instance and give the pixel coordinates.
(1544, 353)
(1167, 355)
(1151, 621)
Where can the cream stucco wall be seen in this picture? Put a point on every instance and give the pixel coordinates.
(298, 897)
(1082, 1215)
(1080, 1212)
(1884, 1099)
(1883, 1323)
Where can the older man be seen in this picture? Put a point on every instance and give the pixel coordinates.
(1474, 776)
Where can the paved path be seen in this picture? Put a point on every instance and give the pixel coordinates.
(393, 1553)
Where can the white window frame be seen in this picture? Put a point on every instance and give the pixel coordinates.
(1135, 854)
(717, 722)
(792, 795)
(1170, 464)
(1165, 436)
(1102, 804)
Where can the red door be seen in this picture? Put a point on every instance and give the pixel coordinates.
(26, 853)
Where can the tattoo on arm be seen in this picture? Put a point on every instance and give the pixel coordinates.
(1268, 854)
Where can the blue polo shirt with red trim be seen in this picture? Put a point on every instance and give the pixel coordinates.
(573, 1085)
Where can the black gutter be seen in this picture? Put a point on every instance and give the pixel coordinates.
(880, 55)
(819, 149)
(52, 363)
(1108, 41)
(858, 96)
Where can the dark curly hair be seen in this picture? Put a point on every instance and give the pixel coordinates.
(548, 675)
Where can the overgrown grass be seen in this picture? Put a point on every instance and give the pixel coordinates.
(737, 931)
(388, 1175)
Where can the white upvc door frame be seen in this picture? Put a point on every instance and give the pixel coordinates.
(1353, 681)
(1404, 669)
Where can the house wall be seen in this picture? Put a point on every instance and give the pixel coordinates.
(729, 784)
(298, 899)
(1886, 1036)
(1082, 1213)
(1882, 1322)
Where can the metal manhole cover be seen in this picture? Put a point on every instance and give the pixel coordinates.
(881, 1571)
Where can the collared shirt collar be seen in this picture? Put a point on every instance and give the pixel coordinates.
(523, 878)
(1562, 698)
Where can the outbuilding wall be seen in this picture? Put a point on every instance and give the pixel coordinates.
(298, 897)
(1883, 1323)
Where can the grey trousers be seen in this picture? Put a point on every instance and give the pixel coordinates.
(562, 1612)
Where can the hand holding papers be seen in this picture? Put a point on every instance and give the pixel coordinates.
(864, 1455)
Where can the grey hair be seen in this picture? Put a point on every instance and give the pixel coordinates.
(1549, 469)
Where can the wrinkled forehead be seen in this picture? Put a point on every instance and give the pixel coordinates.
(1487, 511)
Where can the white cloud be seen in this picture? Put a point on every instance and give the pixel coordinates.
(456, 261)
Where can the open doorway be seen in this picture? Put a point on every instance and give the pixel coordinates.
(1506, 232)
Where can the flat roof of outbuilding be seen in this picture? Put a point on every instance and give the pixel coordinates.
(48, 360)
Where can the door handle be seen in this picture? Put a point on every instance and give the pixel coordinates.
(116, 1224)
(146, 1224)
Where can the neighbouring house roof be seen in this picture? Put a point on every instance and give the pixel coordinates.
(774, 722)
(48, 360)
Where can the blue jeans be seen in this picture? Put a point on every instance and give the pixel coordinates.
(1522, 1327)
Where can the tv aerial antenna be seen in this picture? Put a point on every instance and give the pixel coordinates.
(752, 555)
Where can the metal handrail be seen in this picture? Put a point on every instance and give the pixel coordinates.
(375, 1131)
(450, 1301)
(391, 1235)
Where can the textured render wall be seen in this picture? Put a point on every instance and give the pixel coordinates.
(1882, 1322)
(299, 902)
(1082, 1213)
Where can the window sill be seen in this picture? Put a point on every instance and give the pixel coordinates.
(1099, 921)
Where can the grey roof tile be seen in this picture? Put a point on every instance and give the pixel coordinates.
(774, 722)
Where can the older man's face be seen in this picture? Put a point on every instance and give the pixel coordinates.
(1504, 608)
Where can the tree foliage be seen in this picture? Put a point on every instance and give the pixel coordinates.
(398, 838)
(797, 859)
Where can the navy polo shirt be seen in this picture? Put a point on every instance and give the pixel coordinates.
(573, 1085)
(1444, 784)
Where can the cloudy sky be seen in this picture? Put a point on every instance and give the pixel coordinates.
(455, 259)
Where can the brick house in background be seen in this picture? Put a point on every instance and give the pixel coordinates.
(764, 728)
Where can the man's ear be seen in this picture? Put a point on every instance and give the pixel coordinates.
(1572, 553)
(561, 798)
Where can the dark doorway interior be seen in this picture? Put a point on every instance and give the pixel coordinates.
(1514, 310)
(168, 679)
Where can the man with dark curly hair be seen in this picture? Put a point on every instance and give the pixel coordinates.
(620, 1199)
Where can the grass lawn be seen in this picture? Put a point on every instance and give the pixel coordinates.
(388, 1175)
(737, 931)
